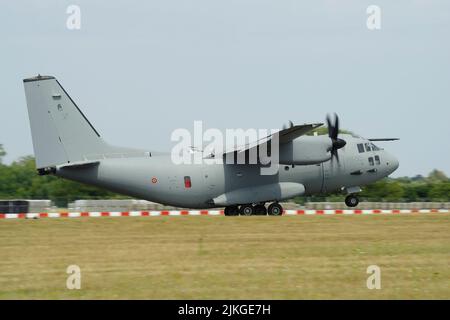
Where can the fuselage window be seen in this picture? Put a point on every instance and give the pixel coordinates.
(368, 147)
(371, 161)
(377, 160)
(360, 148)
(187, 182)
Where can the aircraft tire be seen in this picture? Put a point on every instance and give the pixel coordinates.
(231, 211)
(351, 200)
(275, 209)
(260, 210)
(247, 210)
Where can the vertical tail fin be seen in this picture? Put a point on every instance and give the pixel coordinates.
(60, 131)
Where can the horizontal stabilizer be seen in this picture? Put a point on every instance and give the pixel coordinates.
(81, 164)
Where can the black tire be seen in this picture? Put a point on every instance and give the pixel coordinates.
(246, 210)
(275, 209)
(351, 201)
(231, 211)
(260, 210)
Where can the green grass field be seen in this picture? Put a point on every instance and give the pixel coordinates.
(204, 257)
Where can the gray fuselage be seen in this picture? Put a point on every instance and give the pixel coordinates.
(156, 178)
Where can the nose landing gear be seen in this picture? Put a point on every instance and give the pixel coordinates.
(351, 200)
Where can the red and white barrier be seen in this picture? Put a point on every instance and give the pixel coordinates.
(203, 213)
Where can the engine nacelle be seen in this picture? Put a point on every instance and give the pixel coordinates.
(306, 150)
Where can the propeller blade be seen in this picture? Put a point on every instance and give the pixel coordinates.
(329, 125)
(333, 126)
(333, 132)
(336, 126)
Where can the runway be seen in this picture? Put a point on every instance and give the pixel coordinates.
(218, 257)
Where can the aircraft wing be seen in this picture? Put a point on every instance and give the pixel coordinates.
(289, 134)
(384, 139)
(284, 136)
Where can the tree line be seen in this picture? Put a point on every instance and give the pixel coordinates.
(19, 180)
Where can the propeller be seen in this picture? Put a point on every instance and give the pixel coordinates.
(333, 131)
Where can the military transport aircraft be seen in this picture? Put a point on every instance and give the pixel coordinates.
(67, 145)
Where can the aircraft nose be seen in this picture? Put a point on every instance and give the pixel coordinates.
(395, 163)
(392, 163)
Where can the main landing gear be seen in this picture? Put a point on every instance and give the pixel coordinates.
(274, 209)
(351, 200)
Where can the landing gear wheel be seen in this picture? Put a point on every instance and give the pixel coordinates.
(260, 210)
(275, 209)
(246, 210)
(231, 211)
(351, 200)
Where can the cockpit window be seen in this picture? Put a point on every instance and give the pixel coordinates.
(377, 160)
(360, 148)
(371, 161)
(374, 147)
(368, 147)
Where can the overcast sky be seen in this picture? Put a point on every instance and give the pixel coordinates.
(140, 69)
